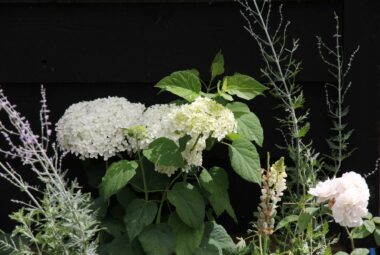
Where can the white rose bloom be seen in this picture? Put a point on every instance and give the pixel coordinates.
(95, 128)
(349, 195)
(349, 208)
(327, 190)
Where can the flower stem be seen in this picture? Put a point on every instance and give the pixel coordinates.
(158, 219)
(351, 238)
(142, 172)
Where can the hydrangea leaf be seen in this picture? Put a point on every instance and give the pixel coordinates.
(139, 214)
(113, 226)
(216, 183)
(125, 196)
(158, 240)
(121, 245)
(189, 204)
(245, 160)
(217, 66)
(209, 249)
(164, 152)
(238, 108)
(187, 239)
(248, 123)
(185, 84)
(154, 180)
(216, 241)
(117, 176)
(243, 86)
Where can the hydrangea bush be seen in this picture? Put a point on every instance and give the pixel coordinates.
(156, 197)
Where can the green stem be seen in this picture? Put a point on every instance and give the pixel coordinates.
(158, 219)
(142, 172)
(260, 245)
(265, 246)
(351, 238)
(196, 141)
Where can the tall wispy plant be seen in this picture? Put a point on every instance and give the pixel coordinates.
(280, 70)
(336, 93)
(58, 218)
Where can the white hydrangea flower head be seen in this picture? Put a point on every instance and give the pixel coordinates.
(348, 197)
(168, 170)
(94, 129)
(204, 117)
(193, 152)
(158, 123)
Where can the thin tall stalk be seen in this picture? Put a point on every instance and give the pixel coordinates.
(338, 142)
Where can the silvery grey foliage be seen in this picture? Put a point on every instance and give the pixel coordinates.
(336, 93)
(58, 219)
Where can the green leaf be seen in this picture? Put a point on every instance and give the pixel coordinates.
(189, 204)
(376, 235)
(369, 225)
(245, 160)
(226, 96)
(164, 152)
(341, 253)
(360, 251)
(217, 66)
(187, 239)
(185, 84)
(121, 245)
(215, 239)
(360, 232)
(158, 240)
(154, 181)
(140, 213)
(304, 130)
(238, 108)
(376, 220)
(113, 226)
(209, 249)
(216, 183)
(117, 176)
(248, 124)
(243, 86)
(125, 196)
(286, 221)
(311, 210)
(100, 206)
(303, 220)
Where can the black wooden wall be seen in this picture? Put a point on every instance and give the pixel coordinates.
(83, 51)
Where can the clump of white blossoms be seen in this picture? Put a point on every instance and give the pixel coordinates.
(348, 198)
(201, 119)
(204, 117)
(95, 128)
(273, 186)
(157, 123)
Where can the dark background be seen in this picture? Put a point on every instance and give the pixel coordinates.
(82, 51)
